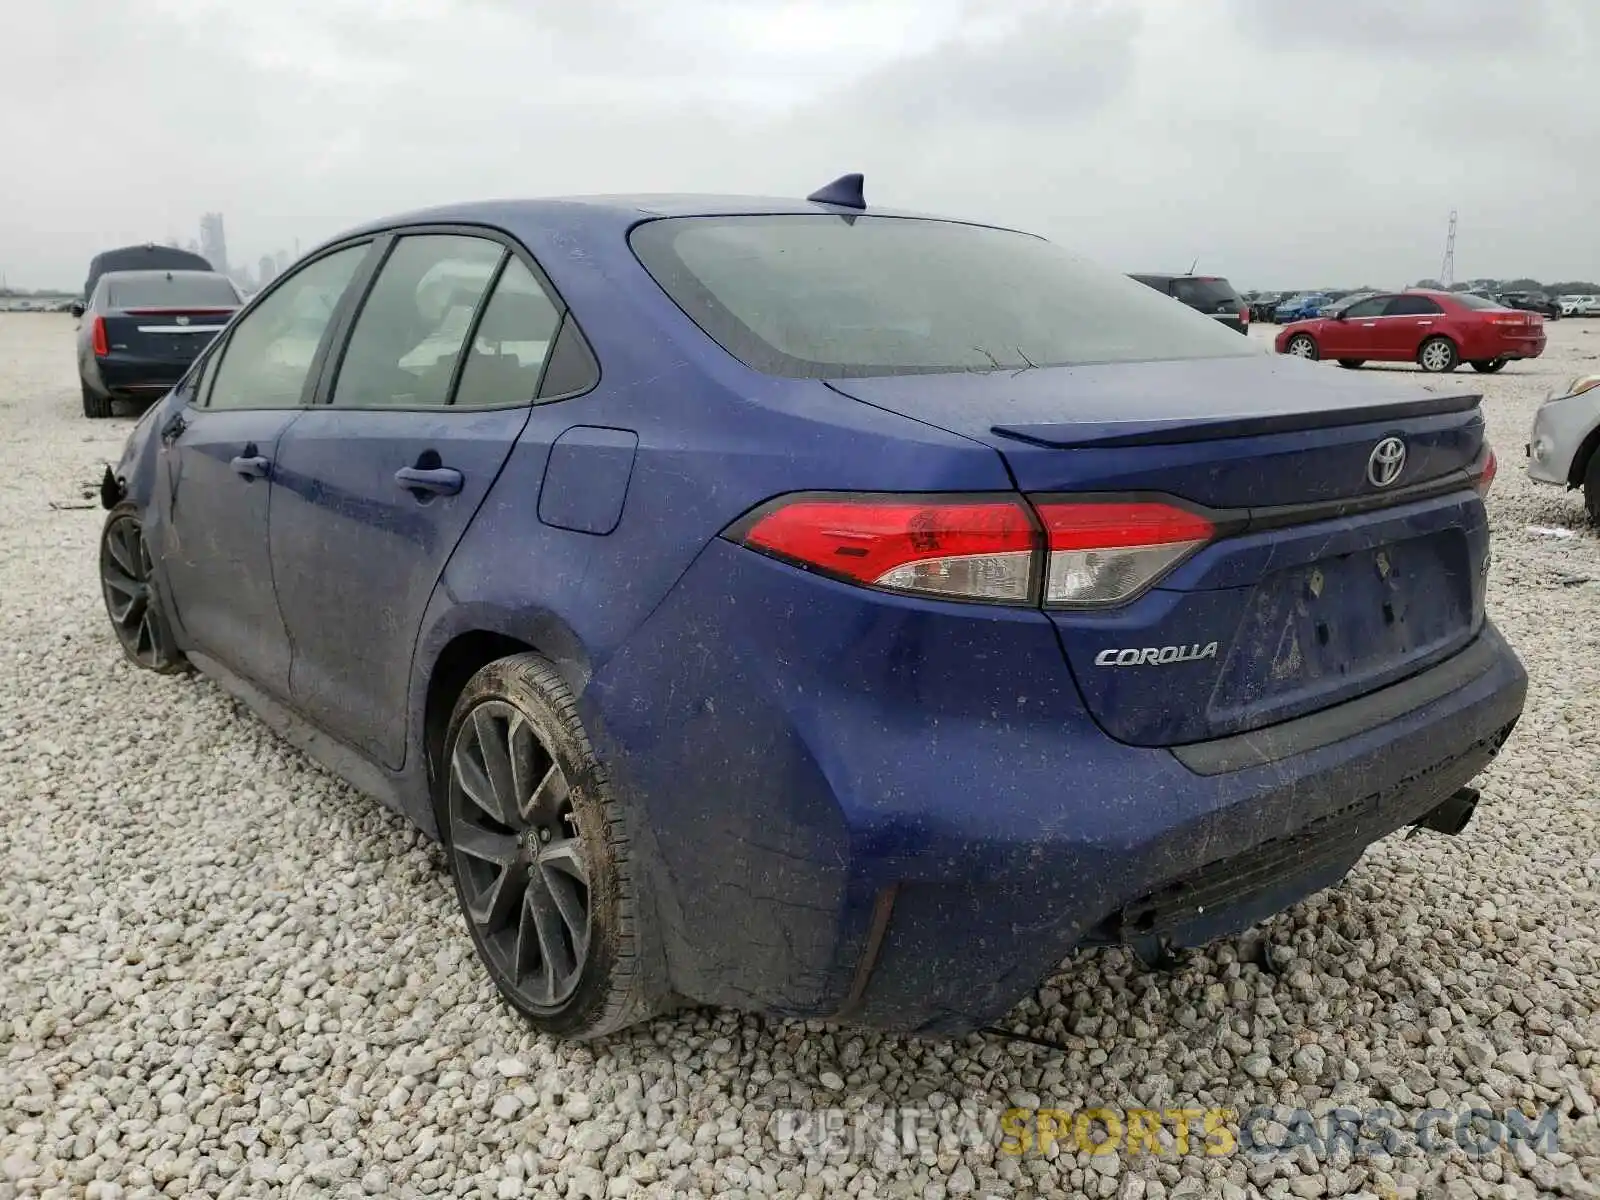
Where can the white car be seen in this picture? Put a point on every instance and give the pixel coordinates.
(1564, 448)
(1579, 306)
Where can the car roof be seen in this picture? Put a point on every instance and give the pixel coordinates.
(616, 214)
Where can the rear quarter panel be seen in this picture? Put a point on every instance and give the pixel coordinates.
(714, 440)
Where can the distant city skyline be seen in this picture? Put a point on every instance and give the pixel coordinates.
(212, 245)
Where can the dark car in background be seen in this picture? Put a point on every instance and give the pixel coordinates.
(142, 329)
(1546, 306)
(1263, 307)
(146, 257)
(1209, 294)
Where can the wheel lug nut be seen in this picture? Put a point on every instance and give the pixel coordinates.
(544, 835)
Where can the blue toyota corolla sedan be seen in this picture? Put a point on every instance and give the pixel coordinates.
(811, 608)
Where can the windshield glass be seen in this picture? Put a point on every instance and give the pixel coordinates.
(179, 289)
(826, 297)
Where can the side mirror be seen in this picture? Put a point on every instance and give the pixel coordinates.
(76, 308)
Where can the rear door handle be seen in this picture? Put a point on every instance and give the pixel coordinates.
(433, 481)
(251, 466)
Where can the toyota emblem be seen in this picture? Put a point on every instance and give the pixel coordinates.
(183, 320)
(1387, 460)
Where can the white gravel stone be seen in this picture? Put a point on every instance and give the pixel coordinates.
(226, 973)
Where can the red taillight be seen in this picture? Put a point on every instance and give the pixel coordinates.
(1244, 315)
(101, 349)
(1107, 552)
(1485, 478)
(970, 549)
(1062, 552)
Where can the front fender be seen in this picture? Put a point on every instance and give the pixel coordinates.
(134, 476)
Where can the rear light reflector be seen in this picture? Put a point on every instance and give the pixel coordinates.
(1244, 315)
(1485, 479)
(98, 335)
(977, 548)
(1107, 552)
(1065, 553)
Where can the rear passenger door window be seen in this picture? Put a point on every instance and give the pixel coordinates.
(511, 342)
(1373, 306)
(270, 350)
(1413, 306)
(408, 339)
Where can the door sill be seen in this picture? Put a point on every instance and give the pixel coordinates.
(348, 764)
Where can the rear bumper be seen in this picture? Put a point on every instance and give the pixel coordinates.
(897, 813)
(131, 376)
(1515, 348)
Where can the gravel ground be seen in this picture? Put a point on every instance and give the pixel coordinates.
(226, 973)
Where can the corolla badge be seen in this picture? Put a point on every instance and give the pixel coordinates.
(1154, 656)
(1387, 460)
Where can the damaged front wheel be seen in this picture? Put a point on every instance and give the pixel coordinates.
(127, 580)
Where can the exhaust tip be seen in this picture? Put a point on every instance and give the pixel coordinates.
(1450, 815)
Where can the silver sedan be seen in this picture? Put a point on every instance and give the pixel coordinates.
(1564, 448)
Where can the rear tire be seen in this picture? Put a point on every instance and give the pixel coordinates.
(1352, 364)
(1438, 356)
(1488, 366)
(95, 406)
(543, 855)
(1302, 345)
(1591, 488)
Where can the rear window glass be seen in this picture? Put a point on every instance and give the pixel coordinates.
(1204, 291)
(171, 291)
(827, 297)
(1467, 300)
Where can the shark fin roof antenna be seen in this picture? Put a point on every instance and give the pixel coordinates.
(847, 191)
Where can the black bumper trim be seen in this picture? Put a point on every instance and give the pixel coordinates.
(1304, 734)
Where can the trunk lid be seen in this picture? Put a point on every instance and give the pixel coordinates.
(1326, 585)
(169, 335)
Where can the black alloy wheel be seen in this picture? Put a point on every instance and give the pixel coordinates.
(542, 855)
(127, 580)
(519, 854)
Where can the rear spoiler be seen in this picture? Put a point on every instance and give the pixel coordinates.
(1166, 432)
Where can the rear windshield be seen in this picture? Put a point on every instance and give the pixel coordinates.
(171, 291)
(1204, 291)
(1468, 300)
(826, 297)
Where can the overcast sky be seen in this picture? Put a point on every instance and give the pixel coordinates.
(1279, 143)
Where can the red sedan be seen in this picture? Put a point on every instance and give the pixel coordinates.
(1436, 330)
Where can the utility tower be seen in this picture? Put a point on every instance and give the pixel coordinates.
(1447, 272)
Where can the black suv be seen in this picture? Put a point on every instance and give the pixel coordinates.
(1210, 294)
(1531, 302)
